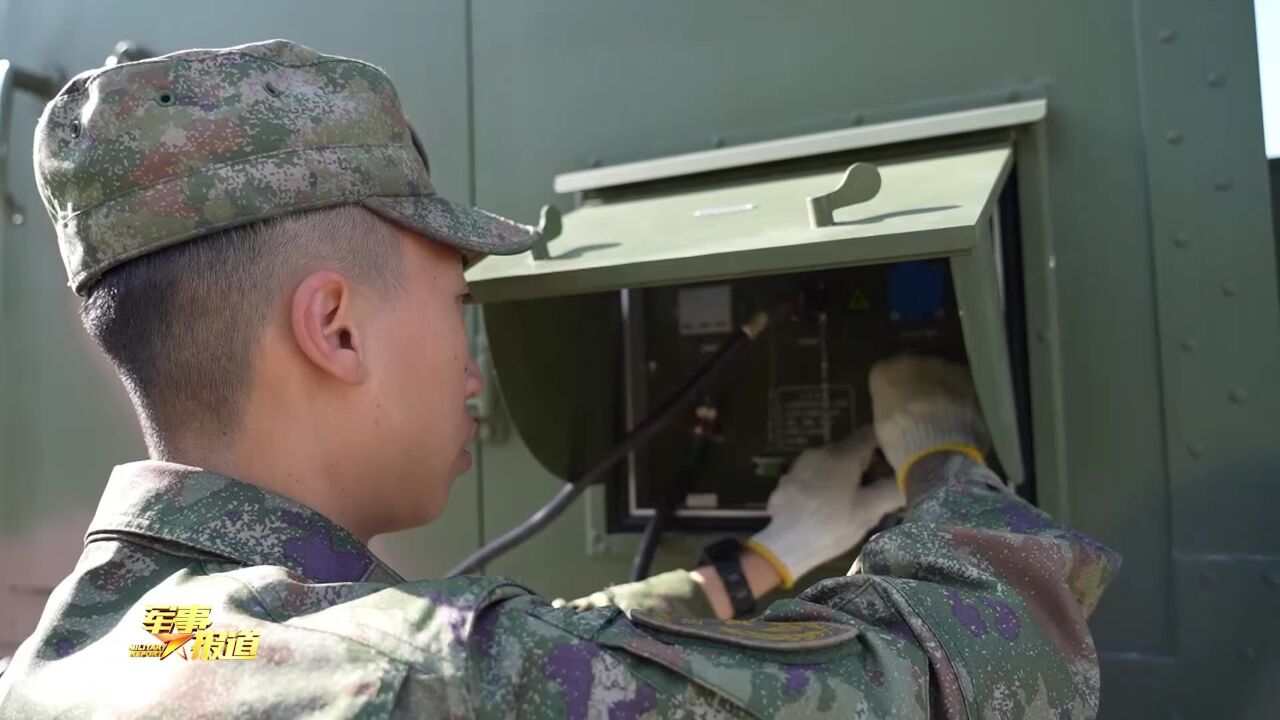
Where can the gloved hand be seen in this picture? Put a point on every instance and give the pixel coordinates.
(819, 510)
(670, 592)
(922, 405)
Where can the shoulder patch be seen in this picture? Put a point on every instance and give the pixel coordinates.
(756, 634)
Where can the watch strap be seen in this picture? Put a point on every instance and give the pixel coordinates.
(726, 557)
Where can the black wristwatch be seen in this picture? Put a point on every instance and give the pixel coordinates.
(725, 556)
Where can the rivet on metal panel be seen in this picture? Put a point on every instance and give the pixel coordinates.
(1189, 345)
(1166, 35)
(1042, 336)
(593, 162)
(1208, 578)
(1195, 449)
(1237, 395)
(1246, 652)
(717, 142)
(1173, 137)
(1216, 79)
(1229, 289)
(1223, 184)
(855, 119)
(1181, 240)
(652, 365)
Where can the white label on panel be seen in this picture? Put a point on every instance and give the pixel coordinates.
(702, 500)
(704, 310)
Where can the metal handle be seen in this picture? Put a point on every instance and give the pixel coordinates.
(861, 183)
(42, 86)
(13, 79)
(8, 205)
(548, 229)
(127, 51)
(45, 87)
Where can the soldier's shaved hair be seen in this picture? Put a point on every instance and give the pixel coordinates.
(180, 325)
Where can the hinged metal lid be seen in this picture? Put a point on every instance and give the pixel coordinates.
(926, 206)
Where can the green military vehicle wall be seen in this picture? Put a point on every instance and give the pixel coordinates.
(1145, 207)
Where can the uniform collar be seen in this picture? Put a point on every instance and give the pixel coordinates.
(204, 511)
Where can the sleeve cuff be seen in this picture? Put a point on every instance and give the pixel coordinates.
(788, 580)
(969, 450)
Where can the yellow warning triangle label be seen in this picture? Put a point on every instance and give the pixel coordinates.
(859, 301)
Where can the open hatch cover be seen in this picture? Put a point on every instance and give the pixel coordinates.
(907, 208)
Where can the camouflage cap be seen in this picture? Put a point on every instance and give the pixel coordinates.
(143, 155)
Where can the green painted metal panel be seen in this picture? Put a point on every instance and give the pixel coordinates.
(1138, 686)
(1213, 247)
(926, 207)
(6, 111)
(1229, 639)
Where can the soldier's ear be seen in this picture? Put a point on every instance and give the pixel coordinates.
(322, 323)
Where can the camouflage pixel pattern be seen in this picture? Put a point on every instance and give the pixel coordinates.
(976, 593)
(139, 156)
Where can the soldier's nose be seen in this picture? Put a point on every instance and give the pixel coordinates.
(474, 381)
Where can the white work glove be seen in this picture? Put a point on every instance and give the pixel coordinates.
(923, 405)
(819, 510)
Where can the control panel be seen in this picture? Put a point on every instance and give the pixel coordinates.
(802, 383)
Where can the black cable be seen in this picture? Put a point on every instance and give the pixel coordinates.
(640, 434)
(664, 508)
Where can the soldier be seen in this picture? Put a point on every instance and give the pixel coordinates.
(262, 257)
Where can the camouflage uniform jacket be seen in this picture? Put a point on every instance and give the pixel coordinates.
(973, 607)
